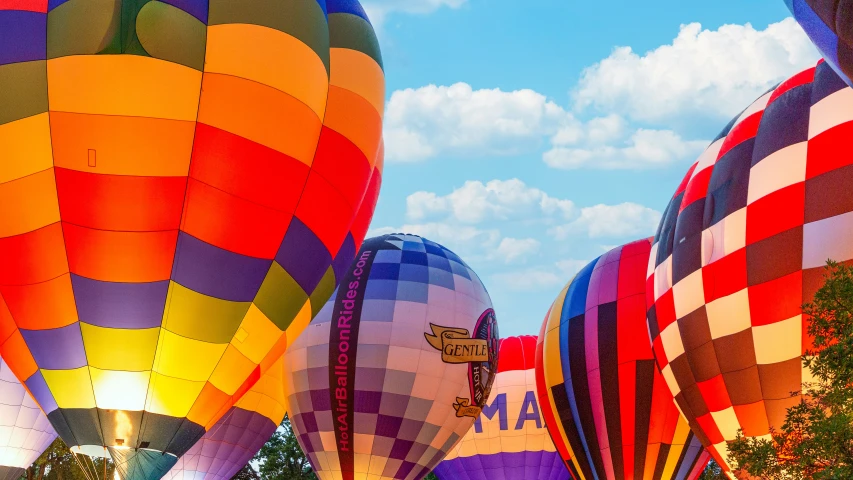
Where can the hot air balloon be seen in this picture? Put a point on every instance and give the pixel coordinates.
(509, 440)
(24, 430)
(741, 248)
(238, 435)
(604, 401)
(178, 186)
(393, 371)
(829, 25)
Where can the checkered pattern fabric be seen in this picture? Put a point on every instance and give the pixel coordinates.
(24, 429)
(404, 421)
(829, 25)
(741, 247)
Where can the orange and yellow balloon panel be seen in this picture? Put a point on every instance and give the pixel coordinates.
(182, 184)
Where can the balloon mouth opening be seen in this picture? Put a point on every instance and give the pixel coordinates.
(100, 451)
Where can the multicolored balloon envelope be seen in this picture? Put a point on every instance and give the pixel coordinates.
(181, 182)
(742, 247)
(393, 371)
(24, 430)
(829, 24)
(606, 404)
(509, 440)
(238, 435)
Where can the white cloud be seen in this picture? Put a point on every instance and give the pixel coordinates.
(511, 250)
(428, 121)
(713, 73)
(611, 221)
(476, 202)
(644, 149)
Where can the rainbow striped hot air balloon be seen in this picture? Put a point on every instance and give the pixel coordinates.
(606, 404)
(509, 440)
(182, 185)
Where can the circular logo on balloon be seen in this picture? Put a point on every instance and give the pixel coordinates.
(479, 349)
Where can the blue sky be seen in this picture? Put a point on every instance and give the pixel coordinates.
(531, 137)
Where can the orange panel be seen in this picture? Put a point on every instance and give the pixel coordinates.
(17, 355)
(355, 118)
(208, 403)
(122, 145)
(120, 202)
(360, 74)
(232, 223)
(752, 418)
(43, 305)
(133, 257)
(28, 203)
(274, 355)
(33, 257)
(261, 114)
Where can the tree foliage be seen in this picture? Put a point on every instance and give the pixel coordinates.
(58, 463)
(713, 472)
(282, 458)
(816, 439)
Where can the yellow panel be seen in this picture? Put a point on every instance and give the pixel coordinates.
(360, 74)
(233, 369)
(120, 390)
(172, 396)
(28, 203)
(25, 147)
(185, 358)
(258, 334)
(120, 349)
(130, 85)
(246, 51)
(197, 316)
(70, 388)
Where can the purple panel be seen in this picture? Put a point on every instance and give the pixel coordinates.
(196, 8)
(303, 256)
(504, 466)
(42, 395)
(389, 427)
(344, 258)
(23, 36)
(57, 348)
(320, 400)
(216, 272)
(120, 305)
(367, 402)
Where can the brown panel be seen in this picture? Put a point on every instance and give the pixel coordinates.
(774, 257)
(735, 352)
(682, 372)
(693, 397)
(694, 329)
(777, 410)
(824, 196)
(703, 362)
(744, 386)
(780, 380)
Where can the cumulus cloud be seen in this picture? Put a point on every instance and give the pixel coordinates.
(643, 149)
(428, 121)
(476, 202)
(712, 73)
(512, 250)
(611, 221)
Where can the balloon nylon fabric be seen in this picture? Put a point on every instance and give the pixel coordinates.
(509, 440)
(238, 435)
(183, 184)
(829, 25)
(369, 395)
(604, 401)
(25, 432)
(742, 246)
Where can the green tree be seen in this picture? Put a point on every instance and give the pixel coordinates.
(58, 463)
(430, 476)
(246, 473)
(713, 472)
(816, 439)
(282, 458)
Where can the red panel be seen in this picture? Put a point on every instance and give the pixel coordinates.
(39, 6)
(725, 276)
(343, 165)
(231, 223)
(632, 331)
(658, 414)
(665, 310)
(742, 132)
(777, 212)
(802, 78)
(120, 202)
(33, 257)
(632, 268)
(776, 300)
(696, 189)
(517, 353)
(247, 169)
(325, 211)
(829, 150)
(132, 257)
(715, 394)
(365, 212)
(709, 428)
(683, 185)
(660, 353)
